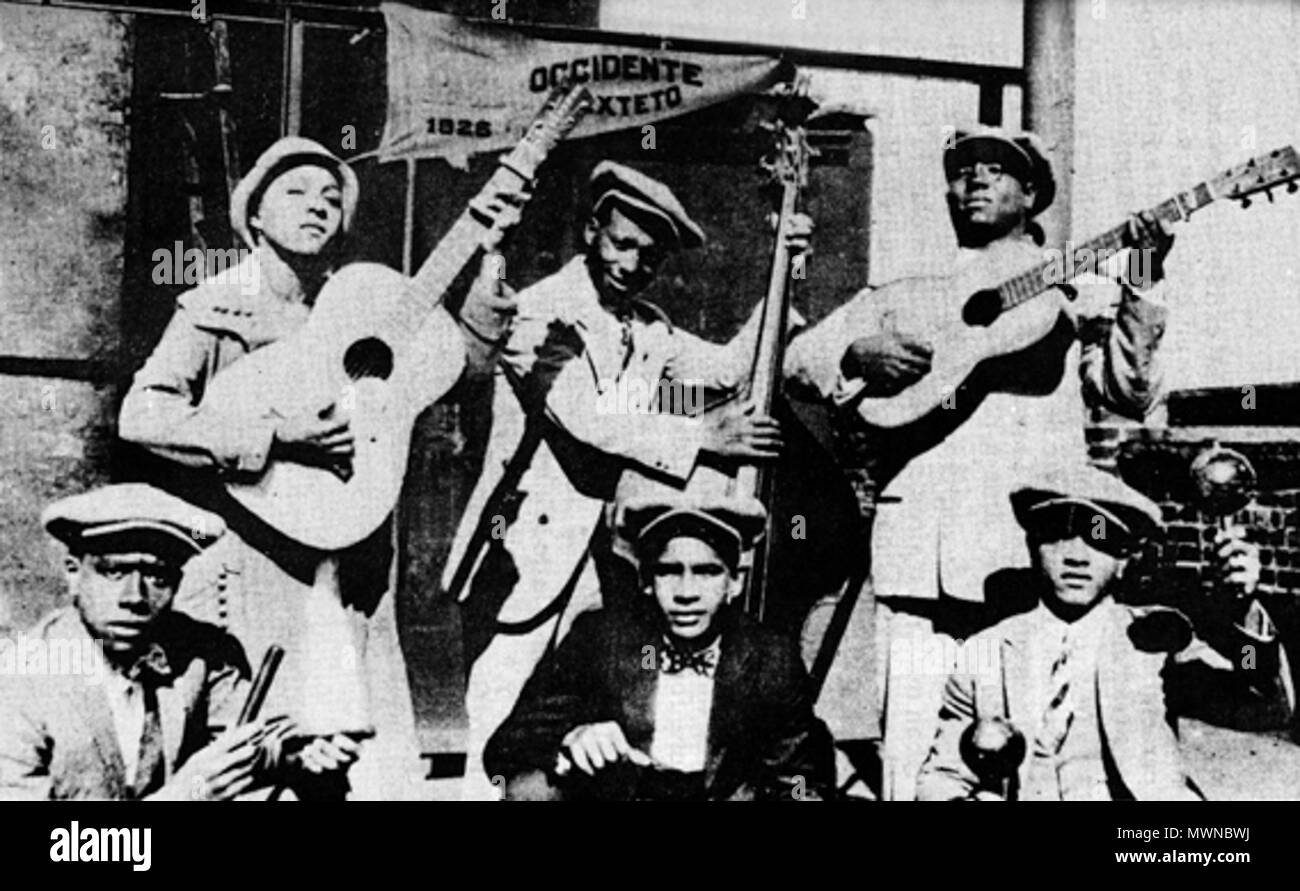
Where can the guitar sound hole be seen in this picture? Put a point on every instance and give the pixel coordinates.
(982, 309)
(368, 357)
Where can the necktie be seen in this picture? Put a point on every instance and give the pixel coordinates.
(149, 671)
(150, 769)
(674, 660)
(1059, 714)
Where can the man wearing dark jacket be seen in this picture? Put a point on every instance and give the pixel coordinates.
(679, 695)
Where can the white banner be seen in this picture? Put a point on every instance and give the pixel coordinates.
(456, 89)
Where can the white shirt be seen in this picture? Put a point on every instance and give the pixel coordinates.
(126, 703)
(682, 707)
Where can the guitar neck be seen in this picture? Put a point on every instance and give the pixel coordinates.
(453, 253)
(563, 108)
(1086, 257)
(768, 352)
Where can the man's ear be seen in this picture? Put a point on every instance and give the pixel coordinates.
(735, 586)
(589, 231)
(71, 571)
(1030, 195)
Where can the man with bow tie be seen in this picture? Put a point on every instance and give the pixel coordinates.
(677, 695)
(561, 436)
(151, 713)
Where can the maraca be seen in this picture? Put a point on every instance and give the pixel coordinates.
(993, 749)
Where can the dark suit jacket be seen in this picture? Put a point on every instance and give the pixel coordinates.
(763, 735)
(57, 739)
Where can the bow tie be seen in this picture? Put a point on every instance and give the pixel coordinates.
(152, 667)
(674, 660)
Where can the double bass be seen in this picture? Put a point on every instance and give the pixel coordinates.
(749, 488)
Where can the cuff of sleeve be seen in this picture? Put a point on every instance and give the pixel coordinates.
(493, 335)
(1153, 302)
(1257, 625)
(254, 446)
(679, 458)
(847, 390)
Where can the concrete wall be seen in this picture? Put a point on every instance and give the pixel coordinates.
(64, 76)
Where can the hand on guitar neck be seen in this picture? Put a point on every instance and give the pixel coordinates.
(1147, 232)
(317, 438)
(743, 435)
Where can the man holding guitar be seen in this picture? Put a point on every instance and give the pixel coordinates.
(523, 557)
(343, 677)
(943, 522)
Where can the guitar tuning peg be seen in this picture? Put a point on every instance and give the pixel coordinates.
(1292, 187)
(1268, 193)
(1245, 203)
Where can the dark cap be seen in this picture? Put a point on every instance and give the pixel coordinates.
(130, 517)
(640, 197)
(1022, 153)
(1074, 497)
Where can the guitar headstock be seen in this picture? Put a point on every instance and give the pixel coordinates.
(564, 107)
(1280, 167)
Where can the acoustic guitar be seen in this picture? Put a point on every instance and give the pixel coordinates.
(373, 347)
(981, 316)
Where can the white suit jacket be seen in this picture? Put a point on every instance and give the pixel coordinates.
(564, 335)
(944, 523)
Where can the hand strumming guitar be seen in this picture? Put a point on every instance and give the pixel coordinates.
(888, 362)
(317, 439)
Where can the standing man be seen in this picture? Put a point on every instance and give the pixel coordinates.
(944, 523)
(343, 669)
(1095, 687)
(583, 336)
(152, 712)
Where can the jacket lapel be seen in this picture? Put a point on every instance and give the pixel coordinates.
(1017, 693)
(634, 681)
(90, 704)
(1131, 717)
(730, 691)
(172, 710)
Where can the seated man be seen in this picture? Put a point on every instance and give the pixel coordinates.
(150, 711)
(1091, 684)
(679, 695)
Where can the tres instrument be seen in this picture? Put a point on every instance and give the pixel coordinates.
(373, 346)
(982, 315)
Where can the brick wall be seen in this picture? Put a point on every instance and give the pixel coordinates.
(1157, 462)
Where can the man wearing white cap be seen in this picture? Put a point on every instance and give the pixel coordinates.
(343, 670)
(153, 709)
(582, 336)
(1090, 683)
(677, 695)
(943, 523)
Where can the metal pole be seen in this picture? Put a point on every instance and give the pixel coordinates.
(1049, 36)
(291, 92)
